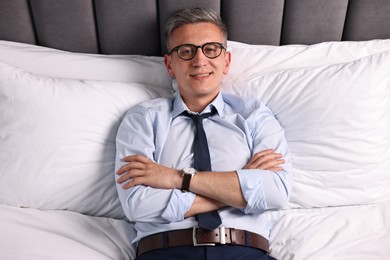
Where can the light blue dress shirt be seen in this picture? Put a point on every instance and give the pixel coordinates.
(242, 127)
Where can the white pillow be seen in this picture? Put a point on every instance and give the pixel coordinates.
(57, 140)
(152, 71)
(337, 123)
(248, 58)
(62, 64)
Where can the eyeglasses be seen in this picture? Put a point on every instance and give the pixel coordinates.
(188, 51)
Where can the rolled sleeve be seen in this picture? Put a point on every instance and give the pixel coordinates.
(252, 189)
(264, 190)
(179, 203)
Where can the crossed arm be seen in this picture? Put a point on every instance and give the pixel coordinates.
(210, 187)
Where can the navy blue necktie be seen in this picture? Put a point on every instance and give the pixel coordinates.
(208, 220)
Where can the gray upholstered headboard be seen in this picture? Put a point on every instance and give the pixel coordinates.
(135, 26)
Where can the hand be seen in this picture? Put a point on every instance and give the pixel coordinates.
(140, 170)
(266, 160)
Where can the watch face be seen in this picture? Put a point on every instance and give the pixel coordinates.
(189, 170)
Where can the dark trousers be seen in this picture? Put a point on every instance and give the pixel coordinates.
(222, 252)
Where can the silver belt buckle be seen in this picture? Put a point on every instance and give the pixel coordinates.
(195, 241)
(222, 234)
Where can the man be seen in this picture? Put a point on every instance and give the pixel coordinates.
(249, 168)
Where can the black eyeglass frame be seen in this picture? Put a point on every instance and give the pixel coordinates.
(221, 45)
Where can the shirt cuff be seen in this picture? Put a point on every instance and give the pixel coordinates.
(251, 184)
(179, 203)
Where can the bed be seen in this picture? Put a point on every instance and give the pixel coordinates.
(70, 69)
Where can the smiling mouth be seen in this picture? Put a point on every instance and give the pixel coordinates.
(201, 75)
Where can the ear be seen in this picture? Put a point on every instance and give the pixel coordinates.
(228, 57)
(168, 61)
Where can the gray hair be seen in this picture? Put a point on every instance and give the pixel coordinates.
(194, 15)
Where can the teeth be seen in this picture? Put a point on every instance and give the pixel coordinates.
(202, 75)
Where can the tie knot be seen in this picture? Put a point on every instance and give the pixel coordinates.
(198, 118)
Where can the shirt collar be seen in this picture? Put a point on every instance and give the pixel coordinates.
(179, 106)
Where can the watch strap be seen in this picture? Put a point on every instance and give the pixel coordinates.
(185, 185)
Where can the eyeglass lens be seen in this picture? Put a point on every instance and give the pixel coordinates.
(210, 50)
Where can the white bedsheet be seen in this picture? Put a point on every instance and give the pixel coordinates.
(27, 233)
(342, 233)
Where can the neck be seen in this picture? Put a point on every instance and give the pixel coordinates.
(198, 104)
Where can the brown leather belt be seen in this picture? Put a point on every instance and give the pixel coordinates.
(202, 237)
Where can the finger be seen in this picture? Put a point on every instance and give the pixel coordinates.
(123, 178)
(276, 169)
(131, 175)
(262, 153)
(270, 164)
(135, 158)
(132, 183)
(267, 157)
(129, 166)
(266, 165)
(259, 155)
(128, 185)
(124, 168)
(128, 158)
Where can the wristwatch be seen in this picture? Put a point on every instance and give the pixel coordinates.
(188, 173)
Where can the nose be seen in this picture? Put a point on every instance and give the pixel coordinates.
(200, 59)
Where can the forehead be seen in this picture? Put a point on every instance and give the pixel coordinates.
(196, 33)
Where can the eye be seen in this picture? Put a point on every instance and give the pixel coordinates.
(211, 49)
(186, 51)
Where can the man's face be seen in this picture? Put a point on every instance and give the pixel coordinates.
(200, 77)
